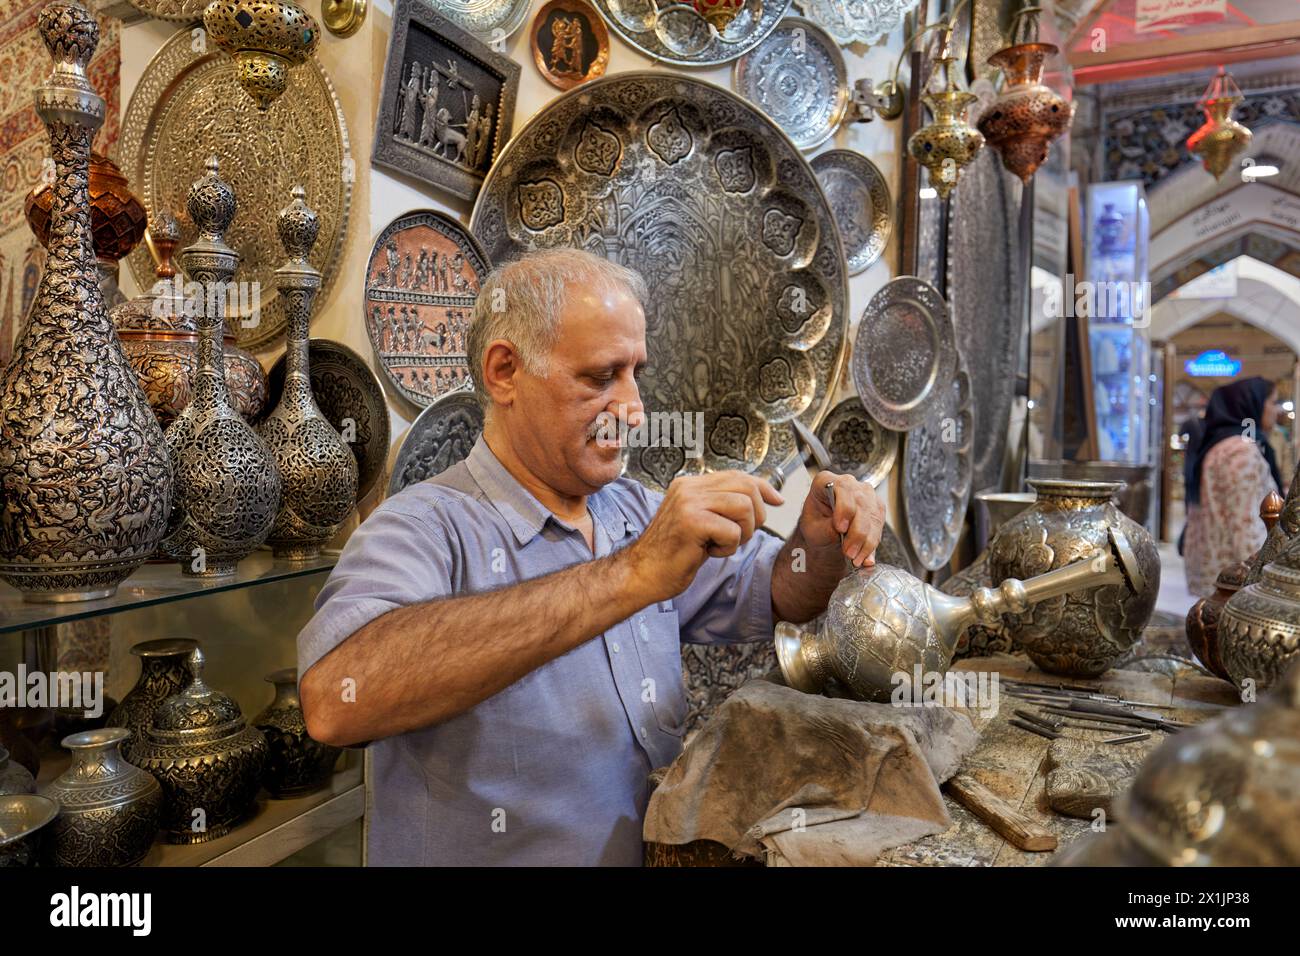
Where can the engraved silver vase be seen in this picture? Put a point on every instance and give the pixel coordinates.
(85, 480)
(164, 671)
(227, 483)
(317, 467)
(1259, 628)
(108, 809)
(295, 764)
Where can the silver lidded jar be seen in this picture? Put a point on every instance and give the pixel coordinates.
(207, 759)
(1259, 628)
(295, 764)
(164, 671)
(227, 483)
(1083, 633)
(108, 809)
(317, 468)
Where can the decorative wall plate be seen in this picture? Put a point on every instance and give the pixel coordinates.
(346, 390)
(421, 282)
(937, 474)
(713, 204)
(857, 443)
(182, 11)
(857, 21)
(677, 34)
(983, 243)
(489, 20)
(570, 43)
(859, 197)
(447, 102)
(903, 355)
(798, 78)
(188, 106)
(442, 435)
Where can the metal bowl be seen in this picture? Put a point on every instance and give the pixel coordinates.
(23, 818)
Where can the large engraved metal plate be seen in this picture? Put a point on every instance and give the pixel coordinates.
(442, 435)
(903, 354)
(798, 78)
(421, 282)
(675, 33)
(348, 393)
(859, 197)
(937, 474)
(857, 443)
(702, 194)
(489, 20)
(985, 303)
(188, 106)
(857, 21)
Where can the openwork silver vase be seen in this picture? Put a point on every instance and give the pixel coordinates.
(84, 476)
(227, 483)
(317, 467)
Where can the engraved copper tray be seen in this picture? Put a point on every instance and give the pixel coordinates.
(675, 33)
(421, 282)
(701, 193)
(442, 435)
(797, 77)
(859, 197)
(187, 106)
(903, 354)
(347, 391)
(858, 445)
(937, 474)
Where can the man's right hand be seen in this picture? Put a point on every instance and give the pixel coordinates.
(701, 516)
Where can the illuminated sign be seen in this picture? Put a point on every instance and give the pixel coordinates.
(1213, 364)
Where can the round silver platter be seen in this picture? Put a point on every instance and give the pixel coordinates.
(440, 436)
(857, 443)
(903, 354)
(937, 469)
(676, 34)
(857, 21)
(701, 193)
(859, 197)
(798, 78)
(489, 20)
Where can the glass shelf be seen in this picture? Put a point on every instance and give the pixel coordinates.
(155, 584)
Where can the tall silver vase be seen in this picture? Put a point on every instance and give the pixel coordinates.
(227, 483)
(84, 476)
(317, 467)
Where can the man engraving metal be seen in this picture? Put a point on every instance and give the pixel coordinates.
(506, 634)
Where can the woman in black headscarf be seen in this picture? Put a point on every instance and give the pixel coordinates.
(1230, 468)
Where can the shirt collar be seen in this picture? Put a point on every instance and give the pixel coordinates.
(520, 507)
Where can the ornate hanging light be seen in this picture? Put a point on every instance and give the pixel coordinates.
(265, 38)
(947, 144)
(1027, 116)
(1221, 138)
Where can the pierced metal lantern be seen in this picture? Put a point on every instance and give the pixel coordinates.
(1221, 137)
(948, 143)
(266, 38)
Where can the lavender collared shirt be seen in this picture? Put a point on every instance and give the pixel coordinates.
(552, 769)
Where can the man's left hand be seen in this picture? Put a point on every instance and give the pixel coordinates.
(858, 518)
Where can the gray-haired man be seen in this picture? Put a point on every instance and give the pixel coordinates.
(507, 633)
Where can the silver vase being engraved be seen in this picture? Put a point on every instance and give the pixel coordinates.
(207, 758)
(25, 820)
(14, 777)
(1083, 633)
(164, 671)
(882, 624)
(108, 809)
(227, 483)
(295, 764)
(84, 476)
(318, 469)
(1259, 628)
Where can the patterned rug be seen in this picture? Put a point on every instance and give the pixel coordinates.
(24, 146)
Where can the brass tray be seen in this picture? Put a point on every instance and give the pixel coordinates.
(904, 354)
(442, 435)
(675, 33)
(717, 209)
(859, 197)
(187, 106)
(937, 474)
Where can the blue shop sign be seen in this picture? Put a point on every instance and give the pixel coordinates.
(1214, 364)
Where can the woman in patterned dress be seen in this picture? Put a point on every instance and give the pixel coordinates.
(1231, 468)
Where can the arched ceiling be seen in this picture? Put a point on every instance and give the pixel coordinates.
(1267, 298)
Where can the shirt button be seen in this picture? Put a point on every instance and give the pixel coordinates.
(614, 647)
(643, 733)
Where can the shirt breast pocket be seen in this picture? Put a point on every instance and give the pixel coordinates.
(658, 643)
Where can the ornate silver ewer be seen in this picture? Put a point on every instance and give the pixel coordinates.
(84, 474)
(164, 671)
(1259, 627)
(227, 483)
(207, 758)
(108, 809)
(882, 622)
(317, 468)
(295, 763)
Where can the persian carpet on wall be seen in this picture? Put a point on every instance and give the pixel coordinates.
(24, 146)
